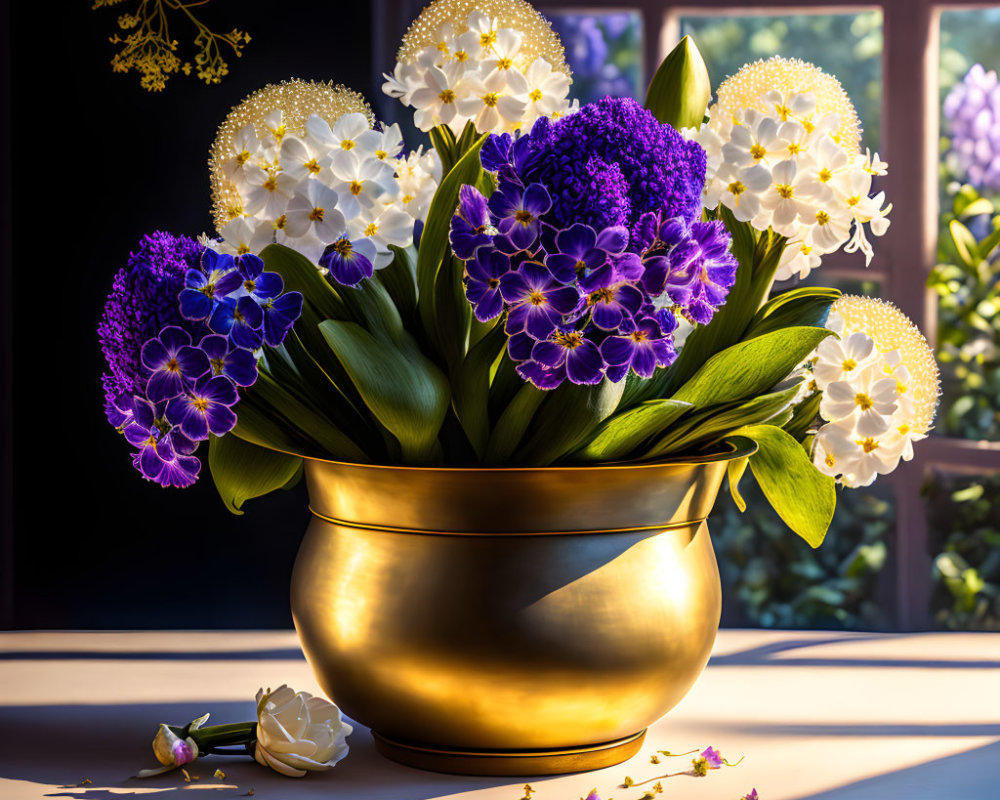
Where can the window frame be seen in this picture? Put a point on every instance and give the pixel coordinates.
(905, 255)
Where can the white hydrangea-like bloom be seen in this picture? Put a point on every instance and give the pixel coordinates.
(310, 190)
(484, 74)
(879, 385)
(782, 145)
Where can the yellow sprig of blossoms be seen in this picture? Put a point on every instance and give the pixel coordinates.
(149, 49)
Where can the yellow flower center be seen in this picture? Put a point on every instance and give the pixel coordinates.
(830, 461)
(863, 401)
(868, 444)
(901, 387)
(249, 285)
(504, 63)
(201, 404)
(536, 298)
(371, 230)
(313, 167)
(822, 217)
(737, 188)
(461, 55)
(447, 96)
(173, 366)
(234, 211)
(271, 184)
(242, 250)
(638, 336)
(357, 187)
(524, 216)
(535, 96)
(316, 215)
(604, 295)
(381, 155)
(853, 201)
(491, 99)
(848, 364)
(280, 222)
(824, 175)
(347, 144)
(407, 198)
(570, 340)
(342, 247)
(785, 190)
(794, 148)
(758, 151)
(488, 39)
(242, 157)
(903, 429)
(218, 364)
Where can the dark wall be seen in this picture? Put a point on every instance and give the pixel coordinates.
(97, 163)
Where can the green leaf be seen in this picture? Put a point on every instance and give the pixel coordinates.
(750, 368)
(734, 471)
(568, 417)
(371, 306)
(965, 243)
(443, 141)
(805, 306)
(513, 423)
(977, 207)
(454, 312)
(265, 428)
(242, 471)
(680, 90)
(403, 389)
(990, 243)
(802, 496)
(400, 280)
(471, 388)
(434, 239)
(618, 436)
(804, 415)
(301, 275)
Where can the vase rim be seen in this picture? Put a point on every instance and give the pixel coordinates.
(744, 448)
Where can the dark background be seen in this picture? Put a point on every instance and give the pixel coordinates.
(96, 163)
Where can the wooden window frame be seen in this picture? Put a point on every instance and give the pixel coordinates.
(904, 256)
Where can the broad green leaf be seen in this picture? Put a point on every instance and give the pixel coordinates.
(569, 415)
(965, 243)
(434, 239)
(750, 368)
(403, 389)
(803, 417)
(804, 306)
(802, 496)
(734, 471)
(443, 141)
(991, 242)
(454, 312)
(400, 280)
(471, 388)
(505, 383)
(715, 423)
(977, 207)
(372, 307)
(680, 90)
(242, 471)
(618, 436)
(265, 427)
(309, 422)
(513, 423)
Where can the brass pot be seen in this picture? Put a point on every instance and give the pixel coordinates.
(509, 621)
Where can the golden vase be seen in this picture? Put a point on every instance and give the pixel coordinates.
(509, 621)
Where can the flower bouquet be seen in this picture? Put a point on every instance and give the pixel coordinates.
(555, 320)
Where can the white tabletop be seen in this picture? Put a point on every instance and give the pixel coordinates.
(823, 716)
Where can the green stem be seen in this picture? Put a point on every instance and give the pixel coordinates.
(213, 736)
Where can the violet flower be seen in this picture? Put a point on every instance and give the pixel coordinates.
(173, 363)
(537, 300)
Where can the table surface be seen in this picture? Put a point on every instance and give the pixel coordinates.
(823, 716)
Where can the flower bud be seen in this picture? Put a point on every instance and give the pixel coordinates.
(171, 750)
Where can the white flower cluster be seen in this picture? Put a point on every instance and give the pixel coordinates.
(481, 76)
(345, 181)
(868, 407)
(785, 169)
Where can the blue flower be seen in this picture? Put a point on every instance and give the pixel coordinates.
(537, 301)
(349, 262)
(164, 454)
(482, 282)
(173, 363)
(261, 285)
(205, 408)
(518, 213)
(235, 363)
(641, 347)
(578, 250)
(470, 226)
(279, 316)
(568, 351)
(206, 286)
(241, 320)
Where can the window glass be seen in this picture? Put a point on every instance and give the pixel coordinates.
(965, 278)
(604, 50)
(773, 579)
(848, 46)
(964, 526)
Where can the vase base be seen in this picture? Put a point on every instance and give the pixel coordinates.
(511, 762)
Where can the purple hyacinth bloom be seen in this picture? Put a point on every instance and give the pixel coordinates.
(570, 350)
(495, 152)
(262, 285)
(172, 362)
(611, 163)
(280, 314)
(470, 226)
(142, 301)
(241, 320)
(482, 283)
(700, 285)
(235, 363)
(164, 454)
(537, 300)
(973, 112)
(752, 795)
(518, 214)
(346, 264)
(642, 349)
(205, 409)
(215, 278)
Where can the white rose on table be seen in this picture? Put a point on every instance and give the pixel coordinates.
(299, 733)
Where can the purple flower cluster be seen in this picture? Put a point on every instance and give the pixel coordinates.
(972, 108)
(186, 342)
(592, 294)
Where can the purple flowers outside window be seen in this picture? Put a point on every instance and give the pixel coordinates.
(591, 245)
(193, 319)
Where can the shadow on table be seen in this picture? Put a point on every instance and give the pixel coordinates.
(770, 655)
(60, 747)
(972, 775)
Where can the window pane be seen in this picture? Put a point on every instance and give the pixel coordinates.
(604, 49)
(968, 308)
(773, 579)
(848, 46)
(964, 520)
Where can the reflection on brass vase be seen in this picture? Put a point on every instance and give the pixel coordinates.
(509, 621)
